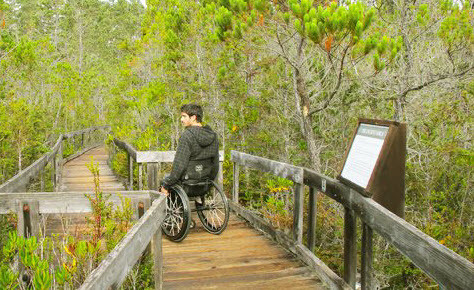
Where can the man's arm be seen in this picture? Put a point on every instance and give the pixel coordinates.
(180, 162)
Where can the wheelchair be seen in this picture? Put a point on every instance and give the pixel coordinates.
(210, 203)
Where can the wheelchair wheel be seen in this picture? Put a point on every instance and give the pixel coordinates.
(213, 209)
(178, 215)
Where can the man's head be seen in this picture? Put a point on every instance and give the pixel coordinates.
(191, 115)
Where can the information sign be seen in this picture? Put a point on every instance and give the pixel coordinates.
(375, 163)
(363, 154)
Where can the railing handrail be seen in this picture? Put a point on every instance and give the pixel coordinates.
(442, 264)
(18, 181)
(152, 158)
(65, 202)
(113, 270)
(127, 147)
(84, 131)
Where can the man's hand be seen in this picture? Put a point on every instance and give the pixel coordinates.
(164, 191)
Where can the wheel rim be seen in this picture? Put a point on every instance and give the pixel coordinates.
(174, 220)
(214, 210)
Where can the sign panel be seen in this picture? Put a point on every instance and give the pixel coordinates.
(363, 154)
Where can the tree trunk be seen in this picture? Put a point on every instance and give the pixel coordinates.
(302, 107)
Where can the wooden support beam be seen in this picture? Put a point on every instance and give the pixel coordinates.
(53, 173)
(130, 172)
(140, 176)
(28, 218)
(367, 257)
(42, 180)
(152, 172)
(235, 191)
(158, 259)
(312, 212)
(350, 247)
(298, 213)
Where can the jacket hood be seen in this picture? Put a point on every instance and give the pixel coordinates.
(204, 135)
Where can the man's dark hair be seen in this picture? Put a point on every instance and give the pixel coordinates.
(193, 110)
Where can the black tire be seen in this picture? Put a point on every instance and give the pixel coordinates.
(178, 215)
(213, 209)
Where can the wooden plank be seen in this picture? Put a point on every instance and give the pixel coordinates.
(350, 247)
(323, 272)
(163, 156)
(80, 153)
(241, 270)
(61, 202)
(440, 263)
(280, 169)
(265, 278)
(114, 268)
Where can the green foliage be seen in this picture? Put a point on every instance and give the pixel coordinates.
(457, 28)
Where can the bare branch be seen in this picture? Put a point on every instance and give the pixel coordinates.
(439, 78)
(336, 88)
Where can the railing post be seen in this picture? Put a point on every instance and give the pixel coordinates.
(235, 192)
(140, 176)
(350, 247)
(42, 179)
(298, 213)
(152, 172)
(312, 218)
(53, 173)
(366, 271)
(158, 259)
(82, 141)
(130, 172)
(28, 218)
(58, 166)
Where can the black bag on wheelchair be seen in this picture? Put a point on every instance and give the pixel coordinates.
(196, 181)
(196, 187)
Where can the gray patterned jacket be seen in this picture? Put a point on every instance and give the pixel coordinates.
(197, 156)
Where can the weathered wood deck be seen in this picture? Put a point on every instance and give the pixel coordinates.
(241, 257)
(77, 177)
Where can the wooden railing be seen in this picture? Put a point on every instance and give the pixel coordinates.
(446, 267)
(152, 160)
(19, 182)
(112, 271)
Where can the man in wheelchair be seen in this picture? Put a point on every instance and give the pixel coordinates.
(194, 169)
(197, 155)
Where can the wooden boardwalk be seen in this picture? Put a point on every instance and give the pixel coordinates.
(77, 177)
(239, 258)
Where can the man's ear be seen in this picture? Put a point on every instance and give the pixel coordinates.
(193, 118)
